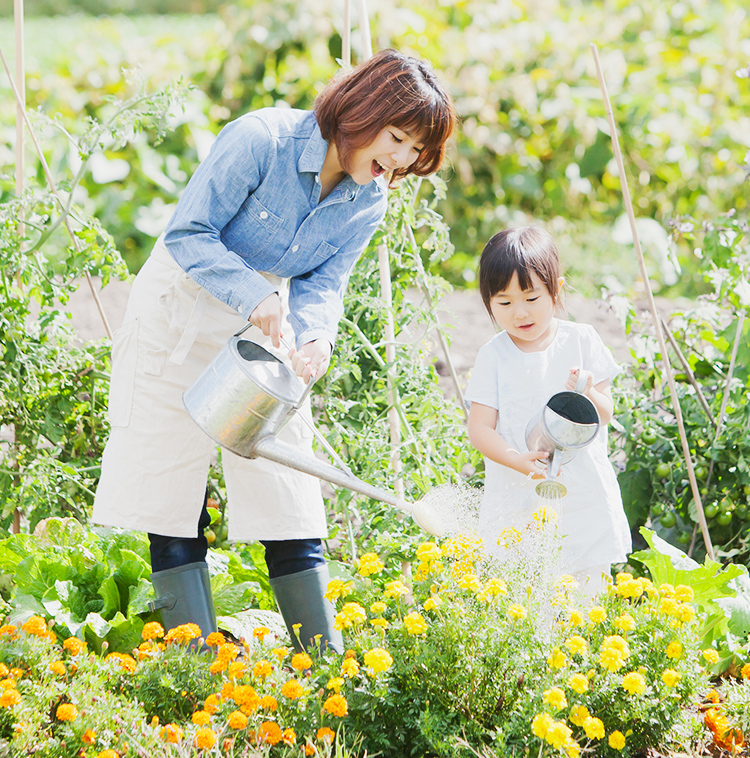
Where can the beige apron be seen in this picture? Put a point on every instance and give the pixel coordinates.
(155, 464)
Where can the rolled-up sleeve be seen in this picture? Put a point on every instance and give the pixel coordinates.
(316, 298)
(241, 155)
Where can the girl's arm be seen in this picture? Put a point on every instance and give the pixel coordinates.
(484, 437)
(599, 394)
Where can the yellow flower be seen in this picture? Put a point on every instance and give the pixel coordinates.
(683, 593)
(324, 734)
(517, 612)
(262, 669)
(630, 589)
(578, 683)
(350, 614)
(617, 643)
(685, 613)
(470, 582)
(666, 590)
(611, 659)
(109, 753)
(432, 602)
(369, 564)
(540, 724)
(577, 645)
(674, 650)
(289, 736)
(396, 589)
(625, 622)
(236, 670)
(205, 738)
(201, 718)
(212, 703)
(152, 630)
(66, 712)
(597, 614)
(634, 683)
(280, 652)
(74, 645)
(495, 587)
(668, 606)
(377, 660)
(292, 689)
(215, 639)
(172, 733)
(227, 652)
(269, 732)
(58, 667)
(336, 705)
(415, 623)
(617, 740)
(380, 624)
(578, 715)
(576, 619)
(555, 698)
(349, 668)
(557, 659)
(9, 697)
(237, 720)
(35, 626)
(711, 656)
(509, 537)
(260, 632)
(378, 607)
(594, 728)
(543, 516)
(558, 734)
(301, 661)
(269, 703)
(337, 588)
(428, 551)
(335, 684)
(670, 677)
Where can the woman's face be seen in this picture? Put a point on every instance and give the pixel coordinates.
(393, 148)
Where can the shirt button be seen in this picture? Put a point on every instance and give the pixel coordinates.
(263, 214)
(295, 248)
(317, 179)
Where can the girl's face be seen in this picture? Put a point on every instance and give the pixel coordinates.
(392, 148)
(527, 315)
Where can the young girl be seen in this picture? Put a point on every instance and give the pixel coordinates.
(535, 356)
(285, 200)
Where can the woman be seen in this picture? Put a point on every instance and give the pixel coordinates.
(283, 195)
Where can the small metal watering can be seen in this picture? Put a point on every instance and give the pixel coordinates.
(246, 395)
(568, 422)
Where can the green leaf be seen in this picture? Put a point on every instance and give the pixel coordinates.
(635, 486)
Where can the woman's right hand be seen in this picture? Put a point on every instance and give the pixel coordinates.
(267, 317)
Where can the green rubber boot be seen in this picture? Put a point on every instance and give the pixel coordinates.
(183, 595)
(301, 600)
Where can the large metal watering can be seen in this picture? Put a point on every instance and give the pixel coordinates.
(568, 422)
(246, 395)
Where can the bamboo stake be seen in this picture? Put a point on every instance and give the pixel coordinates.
(346, 40)
(364, 30)
(652, 305)
(53, 187)
(688, 371)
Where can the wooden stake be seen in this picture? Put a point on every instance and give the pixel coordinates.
(346, 40)
(364, 30)
(654, 313)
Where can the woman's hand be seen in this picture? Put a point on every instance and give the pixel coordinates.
(311, 361)
(267, 317)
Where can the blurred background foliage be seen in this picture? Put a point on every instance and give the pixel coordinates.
(533, 140)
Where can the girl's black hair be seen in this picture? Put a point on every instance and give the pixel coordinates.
(522, 251)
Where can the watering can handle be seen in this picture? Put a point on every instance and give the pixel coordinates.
(583, 378)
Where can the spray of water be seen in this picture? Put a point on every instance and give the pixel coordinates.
(449, 510)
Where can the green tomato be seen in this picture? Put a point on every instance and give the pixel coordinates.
(724, 518)
(711, 510)
(648, 438)
(701, 472)
(683, 538)
(663, 470)
(741, 510)
(668, 519)
(746, 489)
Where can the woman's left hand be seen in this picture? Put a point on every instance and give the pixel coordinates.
(311, 361)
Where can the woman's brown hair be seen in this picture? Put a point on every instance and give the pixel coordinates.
(389, 89)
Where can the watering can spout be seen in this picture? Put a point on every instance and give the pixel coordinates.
(274, 450)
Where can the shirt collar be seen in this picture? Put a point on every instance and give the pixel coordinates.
(314, 154)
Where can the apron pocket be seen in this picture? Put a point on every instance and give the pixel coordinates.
(154, 361)
(122, 381)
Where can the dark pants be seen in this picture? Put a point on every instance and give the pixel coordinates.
(282, 556)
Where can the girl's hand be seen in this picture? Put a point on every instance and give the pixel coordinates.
(267, 317)
(311, 360)
(527, 464)
(572, 382)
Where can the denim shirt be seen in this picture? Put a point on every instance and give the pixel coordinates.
(253, 205)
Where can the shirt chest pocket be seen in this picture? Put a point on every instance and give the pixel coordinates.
(304, 256)
(264, 224)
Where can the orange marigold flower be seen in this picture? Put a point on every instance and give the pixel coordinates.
(66, 712)
(227, 652)
(336, 705)
(4, 670)
(236, 670)
(292, 689)
(205, 738)
(260, 632)
(128, 664)
(58, 667)
(745, 671)
(237, 720)
(172, 733)
(183, 633)
(9, 698)
(310, 749)
(245, 695)
(269, 703)
(280, 652)
(89, 737)
(201, 718)
(215, 639)
(8, 684)
(36, 626)
(74, 645)
(301, 661)
(324, 734)
(289, 736)
(152, 630)
(262, 669)
(227, 690)
(217, 667)
(8, 629)
(269, 732)
(212, 703)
